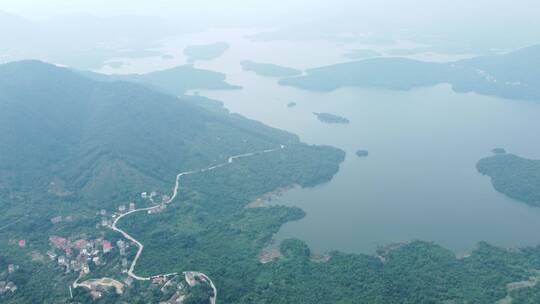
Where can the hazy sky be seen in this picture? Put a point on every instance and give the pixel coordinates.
(476, 26)
(257, 9)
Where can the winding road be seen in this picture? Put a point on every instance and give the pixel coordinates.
(140, 246)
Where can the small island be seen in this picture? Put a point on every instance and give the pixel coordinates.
(331, 118)
(498, 151)
(361, 54)
(291, 105)
(514, 176)
(205, 51)
(268, 69)
(362, 153)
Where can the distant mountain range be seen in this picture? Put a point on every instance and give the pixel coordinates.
(175, 81)
(205, 51)
(81, 40)
(514, 75)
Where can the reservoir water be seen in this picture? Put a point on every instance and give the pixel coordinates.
(419, 180)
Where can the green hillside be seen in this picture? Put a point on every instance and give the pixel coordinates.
(514, 176)
(513, 75)
(72, 145)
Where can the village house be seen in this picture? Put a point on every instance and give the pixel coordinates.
(52, 255)
(157, 209)
(12, 268)
(106, 246)
(58, 242)
(81, 244)
(124, 265)
(159, 280)
(128, 281)
(95, 294)
(122, 246)
(56, 220)
(85, 269)
(11, 286)
(76, 265)
(62, 260)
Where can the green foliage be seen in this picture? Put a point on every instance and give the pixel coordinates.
(268, 69)
(205, 51)
(507, 75)
(526, 295)
(101, 143)
(175, 81)
(293, 248)
(388, 73)
(516, 177)
(72, 145)
(331, 118)
(199, 294)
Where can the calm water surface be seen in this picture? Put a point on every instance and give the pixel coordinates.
(419, 181)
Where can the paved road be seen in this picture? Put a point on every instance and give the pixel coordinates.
(140, 246)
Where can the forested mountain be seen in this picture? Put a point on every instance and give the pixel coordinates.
(72, 145)
(513, 75)
(175, 81)
(205, 51)
(57, 124)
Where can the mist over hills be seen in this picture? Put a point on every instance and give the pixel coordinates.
(514, 75)
(175, 81)
(103, 38)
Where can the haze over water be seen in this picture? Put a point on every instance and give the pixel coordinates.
(419, 181)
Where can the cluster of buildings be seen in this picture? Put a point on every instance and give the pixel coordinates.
(8, 286)
(268, 256)
(150, 196)
(108, 219)
(191, 279)
(177, 298)
(77, 255)
(124, 208)
(159, 206)
(179, 295)
(157, 209)
(122, 245)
